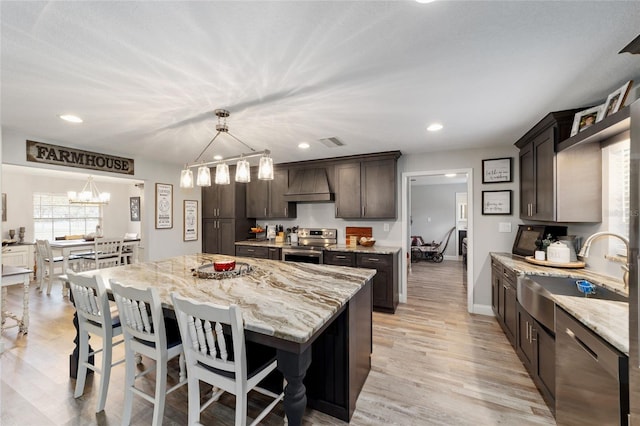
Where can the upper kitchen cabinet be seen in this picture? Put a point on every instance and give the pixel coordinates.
(265, 199)
(559, 186)
(366, 189)
(223, 201)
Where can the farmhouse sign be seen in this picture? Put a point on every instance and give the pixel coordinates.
(39, 152)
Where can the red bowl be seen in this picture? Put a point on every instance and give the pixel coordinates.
(224, 265)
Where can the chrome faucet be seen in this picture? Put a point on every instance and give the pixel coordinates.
(584, 251)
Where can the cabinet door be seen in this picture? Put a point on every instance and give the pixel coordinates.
(226, 200)
(510, 312)
(275, 253)
(524, 338)
(545, 190)
(279, 207)
(383, 280)
(226, 234)
(496, 288)
(526, 181)
(347, 177)
(378, 189)
(210, 240)
(257, 196)
(16, 256)
(258, 252)
(209, 201)
(545, 353)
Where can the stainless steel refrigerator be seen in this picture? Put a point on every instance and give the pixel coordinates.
(634, 270)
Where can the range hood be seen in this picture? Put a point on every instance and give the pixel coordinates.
(308, 185)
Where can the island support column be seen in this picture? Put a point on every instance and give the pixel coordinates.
(294, 367)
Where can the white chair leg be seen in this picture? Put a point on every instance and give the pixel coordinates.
(241, 409)
(106, 372)
(161, 392)
(49, 278)
(81, 375)
(183, 370)
(130, 376)
(194, 401)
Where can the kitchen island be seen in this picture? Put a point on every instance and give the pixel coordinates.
(317, 317)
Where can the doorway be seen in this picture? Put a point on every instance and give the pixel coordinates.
(465, 175)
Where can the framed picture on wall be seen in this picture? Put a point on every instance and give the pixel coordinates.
(164, 206)
(190, 227)
(496, 202)
(4, 207)
(497, 170)
(615, 101)
(134, 208)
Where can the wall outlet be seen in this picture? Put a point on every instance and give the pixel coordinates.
(386, 227)
(504, 227)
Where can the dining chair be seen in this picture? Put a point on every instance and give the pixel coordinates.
(94, 317)
(49, 267)
(107, 252)
(146, 333)
(209, 359)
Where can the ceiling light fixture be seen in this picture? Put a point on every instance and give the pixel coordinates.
(450, 175)
(89, 194)
(243, 168)
(71, 118)
(303, 145)
(435, 127)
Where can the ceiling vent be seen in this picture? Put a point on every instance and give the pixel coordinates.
(331, 142)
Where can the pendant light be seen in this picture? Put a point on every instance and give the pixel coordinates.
(204, 176)
(186, 178)
(243, 171)
(222, 174)
(265, 169)
(89, 194)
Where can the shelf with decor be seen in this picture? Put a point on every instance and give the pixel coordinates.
(609, 127)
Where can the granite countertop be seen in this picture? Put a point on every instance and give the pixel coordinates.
(281, 299)
(607, 318)
(336, 247)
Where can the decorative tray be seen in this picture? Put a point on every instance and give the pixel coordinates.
(207, 271)
(576, 265)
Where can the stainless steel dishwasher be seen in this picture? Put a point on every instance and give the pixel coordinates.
(592, 385)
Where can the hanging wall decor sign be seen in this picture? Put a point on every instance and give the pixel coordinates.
(190, 220)
(164, 206)
(39, 152)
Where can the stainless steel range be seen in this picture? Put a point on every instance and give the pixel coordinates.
(311, 241)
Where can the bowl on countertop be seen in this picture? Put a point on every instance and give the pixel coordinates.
(366, 242)
(224, 265)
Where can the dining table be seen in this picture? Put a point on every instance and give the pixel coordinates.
(69, 247)
(317, 317)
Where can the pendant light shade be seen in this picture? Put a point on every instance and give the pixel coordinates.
(243, 171)
(204, 176)
(222, 174)
(186, 179)
(265, 169)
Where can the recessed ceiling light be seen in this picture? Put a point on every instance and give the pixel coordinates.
(303, 145)
(217, 157)
(450, 175)
(71, 118)
(434, 127)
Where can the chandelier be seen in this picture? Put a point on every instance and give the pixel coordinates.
(89, 194)
(243, 168)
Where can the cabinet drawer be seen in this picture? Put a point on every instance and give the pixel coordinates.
(253, 251)
(509, 275)
(374, 261)
(341, 258)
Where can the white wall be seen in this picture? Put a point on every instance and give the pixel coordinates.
(157, 243)
(433, 212)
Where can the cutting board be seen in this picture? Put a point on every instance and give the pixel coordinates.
(358, 231)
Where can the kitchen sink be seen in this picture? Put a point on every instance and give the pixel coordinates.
(535, 296)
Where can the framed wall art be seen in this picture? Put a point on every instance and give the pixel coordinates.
(496, 202)
(497, 170)
(4, 207)
(134, 209)
(190, 226)
(164, 206)
(615, 101)
(585, 119)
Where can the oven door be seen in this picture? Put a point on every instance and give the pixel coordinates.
(303, 256)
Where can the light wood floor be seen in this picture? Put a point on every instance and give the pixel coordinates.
(432, 364)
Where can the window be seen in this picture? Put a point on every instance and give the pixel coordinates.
(617, 208)
(54, 216)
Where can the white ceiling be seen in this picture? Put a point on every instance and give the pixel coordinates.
(146, 76)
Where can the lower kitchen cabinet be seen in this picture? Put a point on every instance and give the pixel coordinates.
(503, 299)
(18, 255)
(536, 347)
(259, 252)
(385, 282)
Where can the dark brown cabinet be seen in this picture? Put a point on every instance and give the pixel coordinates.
(265, 199)
(223, 217)
(536, 348)
(259, 252)
(558, 186)
(366, 189)
(385, 282)
(504, 302)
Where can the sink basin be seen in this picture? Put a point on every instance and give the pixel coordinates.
(535, 296)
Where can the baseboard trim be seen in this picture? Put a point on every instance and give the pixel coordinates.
(483, 310)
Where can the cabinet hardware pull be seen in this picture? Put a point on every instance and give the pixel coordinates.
(527, 331)
(533, 339)
(363, 211)
(373, 260)
(265, 211)
(285, 211)
(341, 257)
(583, 345)
(250, 250)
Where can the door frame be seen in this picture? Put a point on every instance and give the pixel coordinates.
(406, 213)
